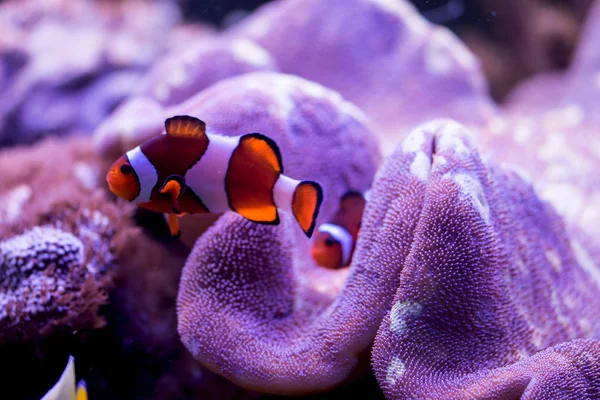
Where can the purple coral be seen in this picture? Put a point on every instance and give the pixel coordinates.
(182, 74)
(483, 272)
(55, 275)
(237, 286)
(379, 54)
(38, 249)
(491, 278)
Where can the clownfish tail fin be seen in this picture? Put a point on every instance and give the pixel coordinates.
(306, 202)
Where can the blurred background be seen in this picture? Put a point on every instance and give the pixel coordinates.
(513, 38)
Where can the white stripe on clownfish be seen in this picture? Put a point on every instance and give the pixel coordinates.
(283, 192)
(145, 171)
(342, 236)
(207, 177)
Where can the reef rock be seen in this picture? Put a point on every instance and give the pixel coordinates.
(469, 281)
(58, 240)
(492, 281)
(182, 74)
(381, 55)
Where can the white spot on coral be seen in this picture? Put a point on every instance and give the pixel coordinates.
(497, 125)
(399, 312)
(585, 325)
(553, 146)
(247, 51)
(523, 130)
(86, 175)
(554, 259)
(420, 166)
(451, 137)
(162, 91)
(586, 262)
(566, 198)
(573, 115)
(396, 369)
(414, 142)
(570, 116)
(12, 203)
(471, 187)
(178, 76)
(389, 5)
(438, 161)
(438, 60)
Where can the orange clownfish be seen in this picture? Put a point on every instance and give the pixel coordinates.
(335, 240)
(189, 171)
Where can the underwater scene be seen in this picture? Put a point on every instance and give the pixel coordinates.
(311, 199)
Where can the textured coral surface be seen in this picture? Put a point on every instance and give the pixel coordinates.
(476, 272)
(491, 278)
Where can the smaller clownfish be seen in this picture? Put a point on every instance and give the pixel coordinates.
(65, 388)
(190, 171)
(335, 240)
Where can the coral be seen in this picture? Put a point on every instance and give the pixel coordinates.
(320, 137)
(38, 249)
(492, 282)
(65, 65)
(459, 269)
(183, 73)
(397, 67)
(57, 242)
(109, 299)
(56, 275)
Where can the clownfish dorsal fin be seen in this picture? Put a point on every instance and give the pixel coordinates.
(185, 126)
(173, 188)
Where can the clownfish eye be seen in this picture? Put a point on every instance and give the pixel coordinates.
(329, 242)
(126, 169)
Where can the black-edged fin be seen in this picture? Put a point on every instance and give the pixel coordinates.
(266, 147)
(254, 167)
(306, 203)
(185, 126)
(174, 226)
(173, 188)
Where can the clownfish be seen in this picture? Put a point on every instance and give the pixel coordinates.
(335, 240)
(189, 171)
(65, 388)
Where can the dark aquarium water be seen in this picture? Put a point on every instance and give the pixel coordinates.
(319, 199)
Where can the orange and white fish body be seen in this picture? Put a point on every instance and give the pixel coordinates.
(190, 171)
(334, 241)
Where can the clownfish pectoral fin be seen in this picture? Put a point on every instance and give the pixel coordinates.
(173, 188)
(306, 202)
(174, 226)
(81, 392)
(185, 126)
